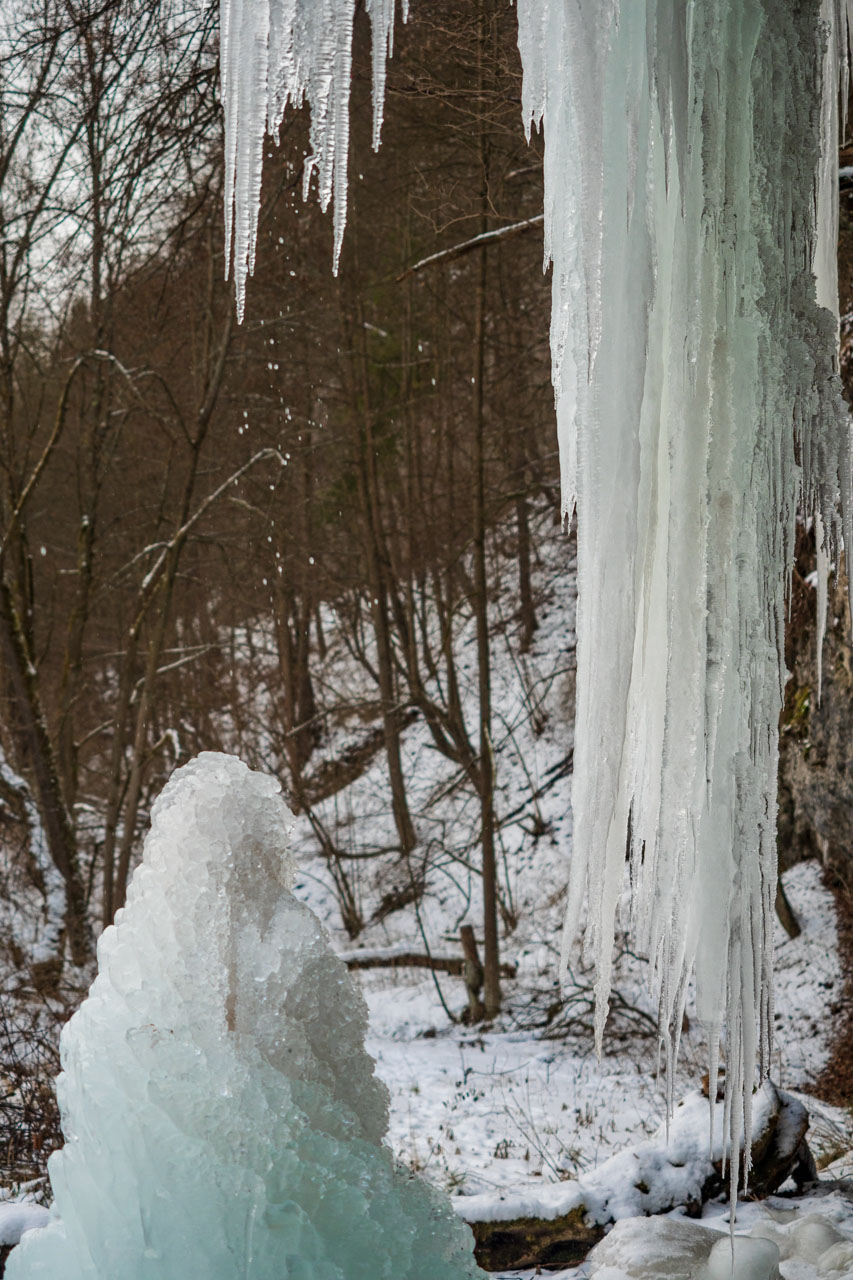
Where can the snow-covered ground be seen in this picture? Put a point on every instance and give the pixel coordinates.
(524, 1103)
(506, 1108)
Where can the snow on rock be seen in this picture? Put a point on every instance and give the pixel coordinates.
(773, 1241)
(18, 1216)
(675, 1167)
(671, 1247)
(220, 1111)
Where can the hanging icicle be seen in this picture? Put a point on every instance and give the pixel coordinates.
(691, 198)
(280, 53)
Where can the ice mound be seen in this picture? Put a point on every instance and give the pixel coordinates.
(222, 1117)
(742, 1258)
(649, 1248)
(808, 1245)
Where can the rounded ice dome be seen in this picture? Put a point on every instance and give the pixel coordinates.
(742, 1258)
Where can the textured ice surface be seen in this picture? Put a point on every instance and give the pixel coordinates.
(221, 1115)
(670, 1247)
(742, 1258)
(808, 1247)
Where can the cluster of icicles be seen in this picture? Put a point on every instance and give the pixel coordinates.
(691, 220)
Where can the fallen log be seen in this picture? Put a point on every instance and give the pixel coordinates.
(556, 1225)
(535, 1242)
(402, 958)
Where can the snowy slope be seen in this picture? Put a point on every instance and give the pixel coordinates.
(525, 1104)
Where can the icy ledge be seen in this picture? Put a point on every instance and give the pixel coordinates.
(222, 1117)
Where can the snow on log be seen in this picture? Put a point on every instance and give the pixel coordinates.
(403, 957)
(558, 1224)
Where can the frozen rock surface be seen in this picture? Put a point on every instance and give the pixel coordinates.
(222, 1117)
(672, 1247)
(769, 1245)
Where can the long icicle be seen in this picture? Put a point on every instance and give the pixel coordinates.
(699, 403)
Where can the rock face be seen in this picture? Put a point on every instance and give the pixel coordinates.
(816, 738)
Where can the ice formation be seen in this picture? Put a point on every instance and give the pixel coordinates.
(222, 1117)
(277, 53)
(807, 1245)
(690, 203)
(742, 1258)
(690, 216)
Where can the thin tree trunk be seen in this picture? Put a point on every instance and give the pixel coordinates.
(491, 951)
(39, 752)
(374, 546)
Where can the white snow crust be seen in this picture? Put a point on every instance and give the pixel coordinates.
(806, 1239)
(670, 1168)
(19, 1216)
(221, 1114)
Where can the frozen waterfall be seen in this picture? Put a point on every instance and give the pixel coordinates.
(222, 1117)
(690, 211)
(689, 152)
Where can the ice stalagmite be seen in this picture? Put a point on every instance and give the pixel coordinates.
(221, 1115)
(690, 201)
(690, 212)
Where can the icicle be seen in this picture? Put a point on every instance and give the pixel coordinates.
(823, 567)
(278, 53)
(690, 202)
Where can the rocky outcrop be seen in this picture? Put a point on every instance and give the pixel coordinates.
(816, 728)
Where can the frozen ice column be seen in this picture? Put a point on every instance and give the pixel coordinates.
(222, 1117)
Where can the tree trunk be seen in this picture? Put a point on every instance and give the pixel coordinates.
(376, 559)
(38, 751)
(491, 951)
